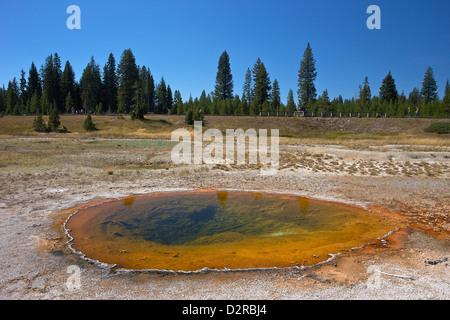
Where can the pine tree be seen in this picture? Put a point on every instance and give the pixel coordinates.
(223, 88)
(169, 98)
(204, 103)
(325, 102)
(77, 96)
(266, 108)
(275, 99)
(149, 90)
(365, 96)
(12, 96)
(68, 82)
(388, 90)
(45, 104)
(290, 106)
(34, 82)
(54, 121)
(161, 97)
(47, 79)
(247, 93)
(446, 101)
(255, 109)
(141, 87)
(414, 97)
(58, 98)
(136, 108)
(39, 124)
(235, 104)
(35, 104)
(189, 119)
(178, 103)
(127, 75)
(262, 85)
(51, 79)
(306, 77)
(110, 84)
(281, 109)
(23, 96)
(244, 108)
(429, 86)
(69, 103)
(88, 124)
(91, 85)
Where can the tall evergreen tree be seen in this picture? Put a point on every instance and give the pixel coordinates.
(429, 86)
(127, 75)
(69, 103)
(47, 81)
(58, 99)
(35, 104)
(169, 98)
(54, 121)
(142, 82)
(223, 89)
(110, 84)
(23, 98)
(91, 86)
(445, 104)
(306, 77)
(34, 82)
(247, 92)
(325, 103)
(51, 79)
(365, 96)
(68, 82)
(149, 90)
(77, 96)
(161, 97)
(275, 99)
(178, 101)
(12, 96)
(414, 97)
(138, 106)
(290, 106)
(235, 104)
(262, 84)
(388, 89)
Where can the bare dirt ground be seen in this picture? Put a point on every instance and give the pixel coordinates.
(44, 180)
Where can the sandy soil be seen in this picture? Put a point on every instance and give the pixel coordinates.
(411, 263)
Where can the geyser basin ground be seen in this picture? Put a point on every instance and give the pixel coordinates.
(192, 230)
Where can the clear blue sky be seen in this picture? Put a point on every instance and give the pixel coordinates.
(183, 40)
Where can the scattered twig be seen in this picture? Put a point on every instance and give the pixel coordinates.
(396, 275)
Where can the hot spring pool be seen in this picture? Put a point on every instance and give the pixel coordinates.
(193, 230)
